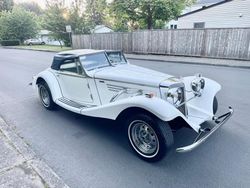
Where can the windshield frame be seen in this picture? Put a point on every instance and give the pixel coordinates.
(106, 56)
(122, 54)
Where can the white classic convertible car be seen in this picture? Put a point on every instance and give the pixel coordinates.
(150, 104)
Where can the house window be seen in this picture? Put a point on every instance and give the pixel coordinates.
(173, 26)
(199, 25)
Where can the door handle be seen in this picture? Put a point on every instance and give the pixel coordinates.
(101, 81)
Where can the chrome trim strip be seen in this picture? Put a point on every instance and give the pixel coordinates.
(199, 141)
(74, 104)
(117, 95)
(132, 83)
(70, 74)
(127, 91)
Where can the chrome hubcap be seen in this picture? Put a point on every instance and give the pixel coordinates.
(143, 138)
(44, 95)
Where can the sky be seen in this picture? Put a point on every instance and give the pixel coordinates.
(41, 3)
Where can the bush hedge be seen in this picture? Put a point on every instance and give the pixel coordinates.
(13, 42)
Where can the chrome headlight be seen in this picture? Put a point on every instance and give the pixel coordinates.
(175, 96)
(198, 85)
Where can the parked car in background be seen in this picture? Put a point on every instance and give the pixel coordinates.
(34, 42)
(149, 104)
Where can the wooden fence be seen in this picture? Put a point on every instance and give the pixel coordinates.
(232, 43)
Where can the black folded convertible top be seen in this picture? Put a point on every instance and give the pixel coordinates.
(59, 59)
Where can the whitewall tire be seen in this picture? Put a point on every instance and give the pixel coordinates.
(149, 137)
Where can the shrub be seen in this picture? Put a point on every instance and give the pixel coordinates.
(14, 42)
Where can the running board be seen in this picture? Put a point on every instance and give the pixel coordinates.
(73, 103)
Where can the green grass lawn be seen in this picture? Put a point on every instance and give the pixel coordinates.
(45, 47)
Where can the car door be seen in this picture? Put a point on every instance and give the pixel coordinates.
(73, 82)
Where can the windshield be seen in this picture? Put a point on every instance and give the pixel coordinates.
(94, 61)
(116, 57)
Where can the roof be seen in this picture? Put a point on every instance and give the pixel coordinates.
(59, 59)
(70, 55)
(79, 52)
(208, 1)
(102, 27)
(44, 32)
(205, 7)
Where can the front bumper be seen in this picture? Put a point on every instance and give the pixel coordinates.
(204, 133)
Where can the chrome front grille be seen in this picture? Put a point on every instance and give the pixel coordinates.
(183, 108)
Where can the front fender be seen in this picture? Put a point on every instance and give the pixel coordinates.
(160, 108)
(204, 103)
(52, 82)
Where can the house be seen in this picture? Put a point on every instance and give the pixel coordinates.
(101, 29)
(224, 14)
(46, 36)
(198, 5)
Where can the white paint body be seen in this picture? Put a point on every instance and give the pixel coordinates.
(97, 88)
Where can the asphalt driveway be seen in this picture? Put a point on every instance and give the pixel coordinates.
(91, 152)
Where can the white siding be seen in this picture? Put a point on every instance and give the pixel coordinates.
(103, 30)
(186, 10)
(235, 13)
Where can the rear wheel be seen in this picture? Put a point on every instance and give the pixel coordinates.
(45, 96)
(149, 137)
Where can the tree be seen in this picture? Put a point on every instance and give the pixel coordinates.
(32, 7)
(55, 20)
(57, 16)
(147, 13)
(124, 14)
(96, 11)
(6, 5)
(78, 20)
(18, 24)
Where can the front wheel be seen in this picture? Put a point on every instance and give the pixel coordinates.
(215, 105)
(45, 96)
(149, 137)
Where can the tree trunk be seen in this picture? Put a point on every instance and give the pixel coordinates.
(149, 18)
(60, 43)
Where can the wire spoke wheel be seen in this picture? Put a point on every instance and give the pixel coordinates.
(44, 96)
(150, 137)
(143, 138)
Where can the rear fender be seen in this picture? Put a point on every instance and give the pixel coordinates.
(52, 82)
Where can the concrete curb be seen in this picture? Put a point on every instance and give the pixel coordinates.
(187, 62)
(41, 50)
(39, 166)
(132, 56)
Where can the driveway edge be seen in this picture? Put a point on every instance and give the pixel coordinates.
(209, 61)
(49, 177)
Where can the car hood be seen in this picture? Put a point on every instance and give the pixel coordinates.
(134, 74)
